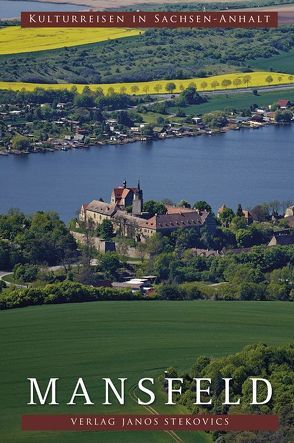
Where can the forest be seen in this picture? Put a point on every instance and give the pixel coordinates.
(276, 364)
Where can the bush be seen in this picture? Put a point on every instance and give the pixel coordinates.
(25, 273)
(65, 292)
(2, 285)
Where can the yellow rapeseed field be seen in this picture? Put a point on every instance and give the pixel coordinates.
(217, 82)
(14, 39)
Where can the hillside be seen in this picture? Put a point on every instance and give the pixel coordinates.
(165, 54)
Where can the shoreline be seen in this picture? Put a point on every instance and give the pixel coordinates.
(68, 146)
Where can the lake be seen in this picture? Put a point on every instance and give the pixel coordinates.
(12, 9)
(247, 166)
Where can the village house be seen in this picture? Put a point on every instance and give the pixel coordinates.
(282, 238)
(284, 104)
(125, 211)
(289, 211)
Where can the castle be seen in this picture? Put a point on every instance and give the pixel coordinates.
(125, 211)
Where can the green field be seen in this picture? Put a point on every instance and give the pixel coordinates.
(120, 339)
(283, 61)
(237, 101)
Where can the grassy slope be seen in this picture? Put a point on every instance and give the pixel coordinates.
(237, 101)
(112, 339)
(15, 40)
(283, 62)
(257, 79)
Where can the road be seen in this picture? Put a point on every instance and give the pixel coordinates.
(3, 274)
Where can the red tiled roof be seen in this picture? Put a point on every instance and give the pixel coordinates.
(283, 102)
(176, 220)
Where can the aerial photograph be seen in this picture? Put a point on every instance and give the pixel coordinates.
(147, 222)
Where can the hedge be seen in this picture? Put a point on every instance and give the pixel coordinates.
(64, 292)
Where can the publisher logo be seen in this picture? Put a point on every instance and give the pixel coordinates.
(150, 422)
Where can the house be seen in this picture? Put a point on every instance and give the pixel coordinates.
(290, 221)
(289, 211)
(79, 138)
(197, 120)
(248, 217)
(284, 104)
(282, 238)
(97, 211)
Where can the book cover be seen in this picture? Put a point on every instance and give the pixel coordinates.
(146, 221)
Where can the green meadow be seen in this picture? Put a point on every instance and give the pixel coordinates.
(120, 339)
(237, 101)
(284, 60)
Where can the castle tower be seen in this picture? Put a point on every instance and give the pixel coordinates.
(137, 206)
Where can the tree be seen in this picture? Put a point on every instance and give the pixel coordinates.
(21, 143)
(170, 87)
(226, 216)
(25, 273)
(146, 89)
(269, 79)
(158, 87)
(110, 91)
(183, 204)
(283, 116)
(2, 285)
(47, 240)
(84, 100)
(157, 244)
(239, 212)
(246, 80)
(123, 118)
(135, 89)
(190, 97)
(226, 83)
(260, 213)
(216, 119)
(202, 205)
(154, 207)
(237, 82)
(214, 84)
(204, 85)
(105, 230)
(110, 264)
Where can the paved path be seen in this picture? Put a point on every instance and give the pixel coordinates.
(8, 283)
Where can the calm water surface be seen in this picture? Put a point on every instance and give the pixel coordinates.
(12, 9)
(247, 166)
